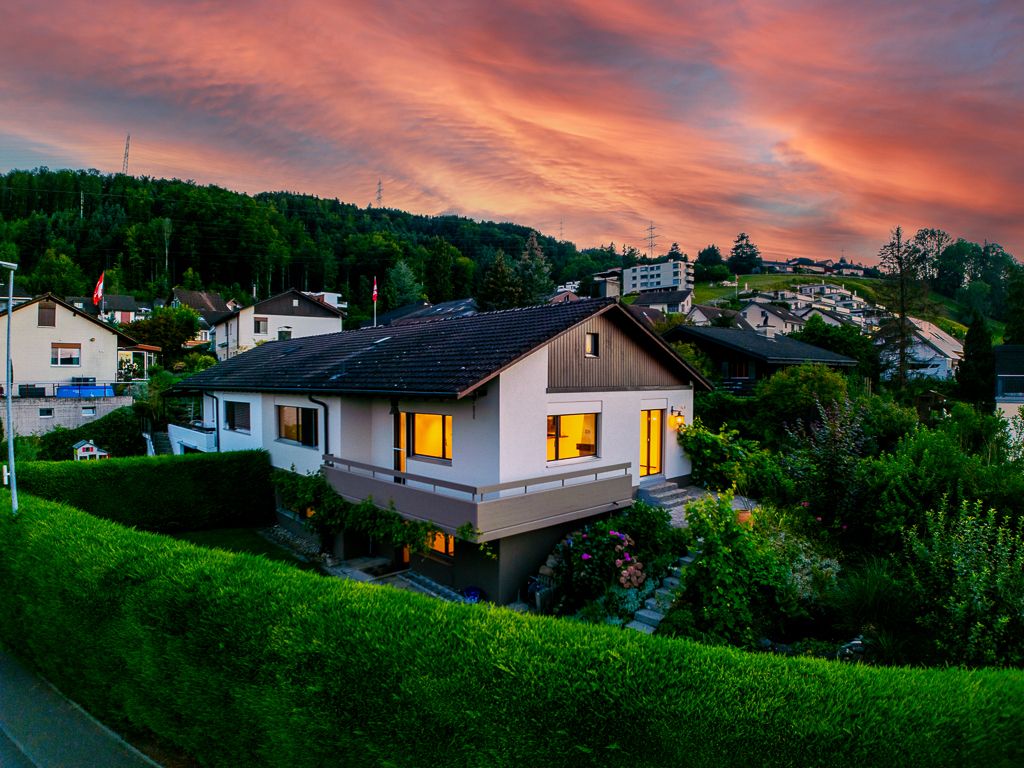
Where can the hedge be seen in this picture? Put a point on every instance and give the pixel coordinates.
(161, 493)
(118, 433)
(242, 661)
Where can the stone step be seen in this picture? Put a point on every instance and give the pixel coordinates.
(670, 582)
(675, 572)
(648, 616)
(663, 595)
(660, 486)
(672, 498)
(639, 626)
(659, 603)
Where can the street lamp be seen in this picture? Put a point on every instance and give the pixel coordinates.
(7, 387)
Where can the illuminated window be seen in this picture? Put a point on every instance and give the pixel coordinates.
(443, 544)
(591, 345)
(571, 436)
(47, 314)
(65, 354)
(297, 424)
(431, 435)
(236, 416)
(259, 326)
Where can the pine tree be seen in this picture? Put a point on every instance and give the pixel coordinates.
(534, 273)
(500, 288)
(744, 258)
(976, 374)
(402, 286)
(905, 268)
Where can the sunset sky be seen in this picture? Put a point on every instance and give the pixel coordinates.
(813, 126)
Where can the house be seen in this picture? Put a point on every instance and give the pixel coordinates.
(742, 358)
(20, 294)
(562, 295)
(211, 308)
(608, 284)
(673, 274)
(522, 423)
(65, 364)
(1009, 379)
(834, 317)
(86, 450)
(707, 314)
(666, 301)
(115, 308)
(778, 319)
(289, 315)
(932, 353)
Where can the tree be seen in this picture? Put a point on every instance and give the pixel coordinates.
(952, 264)
(843, 340)
(168, 328)
(744, 258)
(709, 256)
(59, 275)
(976, 374)
(930, 243)
(905, 268)
(191, 280)
(437, 277)
(500, 288)
(534, 273)
(402, 287)
(1014, 333)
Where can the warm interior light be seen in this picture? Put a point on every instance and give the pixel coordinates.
(678, 419)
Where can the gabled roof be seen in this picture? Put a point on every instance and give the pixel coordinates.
(777, 349)
(267, 306)
(201, 301)
(647, 298)
(780, 312)
(446, 358)
(123, 339)
(937, 339)
(713, 313)
(112, 302)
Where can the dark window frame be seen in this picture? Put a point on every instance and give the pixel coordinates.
(307, 428)
(237, 416)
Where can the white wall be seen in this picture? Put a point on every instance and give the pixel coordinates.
(239, 334)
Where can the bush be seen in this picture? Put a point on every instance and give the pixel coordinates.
(968, 569)
(161, 493)
(793, 395)
(118, 433)
(241, 661)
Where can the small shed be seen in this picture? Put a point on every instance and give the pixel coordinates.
(86, 450)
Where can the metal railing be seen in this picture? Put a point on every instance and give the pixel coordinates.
(473, 492)
(76, 388)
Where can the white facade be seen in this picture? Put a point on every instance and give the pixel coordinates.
(668, 275)
(241, 332)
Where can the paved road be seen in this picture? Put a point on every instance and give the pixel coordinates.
(39, 728)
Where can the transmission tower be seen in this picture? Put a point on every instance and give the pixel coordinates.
(651, 238)
(127, 143)
(380, 191)
(561, 230)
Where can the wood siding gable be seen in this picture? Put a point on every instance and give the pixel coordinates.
(282, 306)
(622, 362)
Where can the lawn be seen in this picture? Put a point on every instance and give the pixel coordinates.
(246, 540)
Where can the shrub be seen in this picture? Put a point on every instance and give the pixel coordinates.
(968, 569)
(242, 661)
(792, 395)
(161, 493)
(118, 433)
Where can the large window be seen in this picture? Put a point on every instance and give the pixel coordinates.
(431, 435)
(571, 436)
(443, 544)
(236, 416)
(65, 354)
(259, 326)
(297, 424)
(47, 314)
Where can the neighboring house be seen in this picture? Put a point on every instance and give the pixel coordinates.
(742, 358)
(648, 315)
(65, 365)
(778, 319)
(674, 274)
(562, 295)
(523, 423)
(115, 308)
(608, 284)
(703, 315)
(20, 294)
(674, 301)
(828, 316)
(424, 311)
(1009, 379)
(86, 450)
(932, 353)
(289, 315)
(211, 308)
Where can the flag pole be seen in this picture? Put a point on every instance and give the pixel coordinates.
(7, 389)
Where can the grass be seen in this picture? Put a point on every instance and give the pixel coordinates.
(247, 540)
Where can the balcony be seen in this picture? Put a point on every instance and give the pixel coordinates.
(194, 437)
(74, 388)
(497, 510)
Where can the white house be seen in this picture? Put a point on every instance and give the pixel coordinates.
(771, 317)
(65, 365)
(932, 352)
(522, 423)
(666, 301)
(289, 315)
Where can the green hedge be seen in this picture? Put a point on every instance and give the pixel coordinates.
(118, 433)
(242, 661)
(161, 493)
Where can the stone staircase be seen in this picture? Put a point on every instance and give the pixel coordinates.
(670, 496)
(161, 443)
(648, 618)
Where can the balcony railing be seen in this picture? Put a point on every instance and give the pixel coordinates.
(498, 509)
(196, 436)
(76, 388)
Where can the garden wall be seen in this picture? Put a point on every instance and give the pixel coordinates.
(161, 493)
(242, 661)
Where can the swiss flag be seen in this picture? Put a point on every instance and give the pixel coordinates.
(374, 286)
(97, 292)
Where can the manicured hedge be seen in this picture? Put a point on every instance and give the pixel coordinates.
(117, 433)
(161, 493)
(247, 662)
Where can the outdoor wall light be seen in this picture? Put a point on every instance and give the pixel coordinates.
(678, 419)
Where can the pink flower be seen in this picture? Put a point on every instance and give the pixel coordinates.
(818, 518)
(585, 556)
(618, 563)
(805, 504)
(627, 558)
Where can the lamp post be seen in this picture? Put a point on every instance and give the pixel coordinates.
(7, 387)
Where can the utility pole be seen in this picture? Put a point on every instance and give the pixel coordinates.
(167, 251)
(124, 164)
(8, 375)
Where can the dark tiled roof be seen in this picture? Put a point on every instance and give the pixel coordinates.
(447, 357)
(780, 312)
(443, 311)
(713, 313)
(646, 298)
(1009, 359)
(201, 301)
(777, 349)
(87, 307)
(649, 315)
(112, 302)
